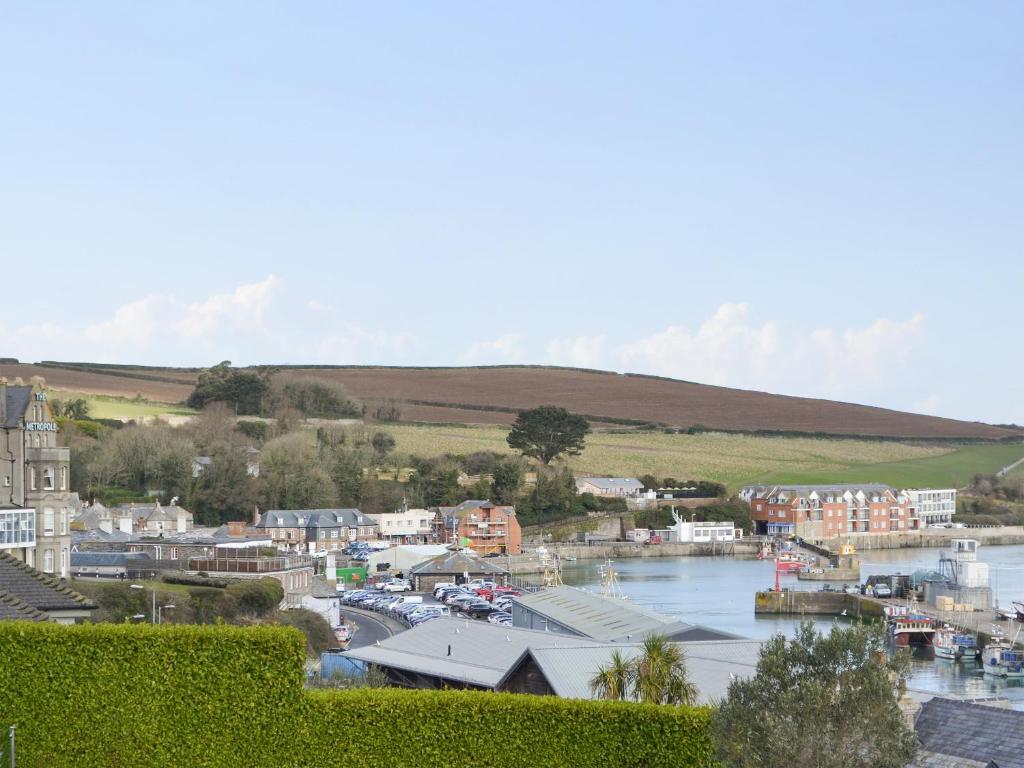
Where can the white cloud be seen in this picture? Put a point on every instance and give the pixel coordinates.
(242, 309)
(730, 348)
(504, 349)
(319, 307)
(134, 323)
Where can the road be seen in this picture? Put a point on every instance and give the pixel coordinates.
(371, 628)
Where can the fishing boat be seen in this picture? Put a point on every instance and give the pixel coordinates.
(789, 562)
(949, 644)
(1001, 659)
(1018, 607)
(909, 628)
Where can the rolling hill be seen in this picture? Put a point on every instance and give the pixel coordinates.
(492, 395)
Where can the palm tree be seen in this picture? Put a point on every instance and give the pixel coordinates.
(657, 675)
(661, 674)
(614, 681)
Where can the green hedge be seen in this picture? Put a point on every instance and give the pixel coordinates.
(135, 696)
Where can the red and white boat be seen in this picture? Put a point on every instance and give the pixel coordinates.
(908, 627)
(789, 562)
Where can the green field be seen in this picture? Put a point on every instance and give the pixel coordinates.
(108, 407)
(736, 460)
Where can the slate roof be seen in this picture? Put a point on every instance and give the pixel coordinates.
(97, 534)
(611, 619)
(109, 559)
(14, 609)
(804, 490)
(39, 590)
(961, 729)
(314, 518)
(18, 399)
(454, 563)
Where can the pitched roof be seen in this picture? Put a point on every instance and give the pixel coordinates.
(454, 562)
(610, 619)
(313, 518)
(612, 483)
(711, 665)
(15, 609)
(39, 590)
(461, 510)
(970, 731)
(473, 652)
(18, 399)
(804, 490)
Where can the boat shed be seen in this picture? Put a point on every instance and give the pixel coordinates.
(571, 611)
(459, 653)
(456, 566)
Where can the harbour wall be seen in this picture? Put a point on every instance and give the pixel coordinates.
(930, 537)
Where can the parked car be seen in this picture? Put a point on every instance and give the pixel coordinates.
(479, 609)
(444, 585)
(510, 591)
(498, 616)
(882, 590)
(851, 589)
(484, 593)
(398, 585)
(459, 603)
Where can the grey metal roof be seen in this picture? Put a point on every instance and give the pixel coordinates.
(711, 666)
(611, 619)
(314, 518)
(18, 399)
(109, 559)
(612, 483)
(455, 563)
(469, 651)
(39, 590)
(970, 731)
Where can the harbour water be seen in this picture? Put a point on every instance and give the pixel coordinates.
(719, 592)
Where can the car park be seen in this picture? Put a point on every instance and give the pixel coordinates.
(398, 585)
(480, 609)
(460, 602)
(444, 585)
(498, 616)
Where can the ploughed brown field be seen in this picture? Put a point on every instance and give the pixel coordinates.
(443, 394)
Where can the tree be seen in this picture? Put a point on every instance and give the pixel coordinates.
(547, 432)
(243, 390)
(658, 675)
(508, 476)
(823, 700)
(383, 444)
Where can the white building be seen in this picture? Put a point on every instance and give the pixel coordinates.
(933, 507)
(691, 532)
(411, 526)
(625, 487)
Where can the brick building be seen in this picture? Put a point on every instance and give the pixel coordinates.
(484, 527)
(819, 512)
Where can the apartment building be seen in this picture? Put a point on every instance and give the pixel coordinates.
(410, 526)
(316, 530)
(933, 507)
(484, 527)
(818, 512)
(35, 501)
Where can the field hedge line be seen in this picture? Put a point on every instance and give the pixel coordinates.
(135, 696)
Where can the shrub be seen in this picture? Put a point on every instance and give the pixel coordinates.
(257, 598)
(228, 697)
(318, 633)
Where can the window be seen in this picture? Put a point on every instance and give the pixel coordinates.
(7, 481)
(63, 562)
(32, 478)
(48, 521)
(63, 478)
(48, 478)
(48, 561)
(64, 522)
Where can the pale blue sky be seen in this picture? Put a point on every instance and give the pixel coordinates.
(808, 198)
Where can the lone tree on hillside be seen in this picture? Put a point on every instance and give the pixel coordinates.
(823, 700)
(547, 432)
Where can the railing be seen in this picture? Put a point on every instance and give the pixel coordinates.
(251, 565)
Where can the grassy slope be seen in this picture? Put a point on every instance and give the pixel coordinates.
(109, 407)
(739, 459)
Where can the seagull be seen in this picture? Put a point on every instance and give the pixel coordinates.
(843, 613)
(732, 676)
(508, 639)
(378, 643)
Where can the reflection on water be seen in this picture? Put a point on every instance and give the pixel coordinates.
(719, 592)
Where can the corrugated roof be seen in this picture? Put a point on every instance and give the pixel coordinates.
(474, 652)
(972, 731)
(609, 619)
(711, 666)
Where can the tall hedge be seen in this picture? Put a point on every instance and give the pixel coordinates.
(135, 696)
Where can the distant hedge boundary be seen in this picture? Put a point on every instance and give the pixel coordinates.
(136, 696)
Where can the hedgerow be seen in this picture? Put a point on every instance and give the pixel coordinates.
(134, 696)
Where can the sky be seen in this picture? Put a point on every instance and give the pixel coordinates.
(819, 199)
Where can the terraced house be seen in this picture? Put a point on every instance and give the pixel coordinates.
(818, 512)
(316, 530)
(35, 503)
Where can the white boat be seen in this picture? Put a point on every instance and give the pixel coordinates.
(1001, 659)
(949, 644)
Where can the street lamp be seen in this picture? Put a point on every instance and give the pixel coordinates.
(160, 612)
(140, 586)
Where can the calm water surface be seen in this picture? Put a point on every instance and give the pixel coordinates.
(719, 592)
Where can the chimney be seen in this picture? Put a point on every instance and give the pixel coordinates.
(236, 528)
(256, 515)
